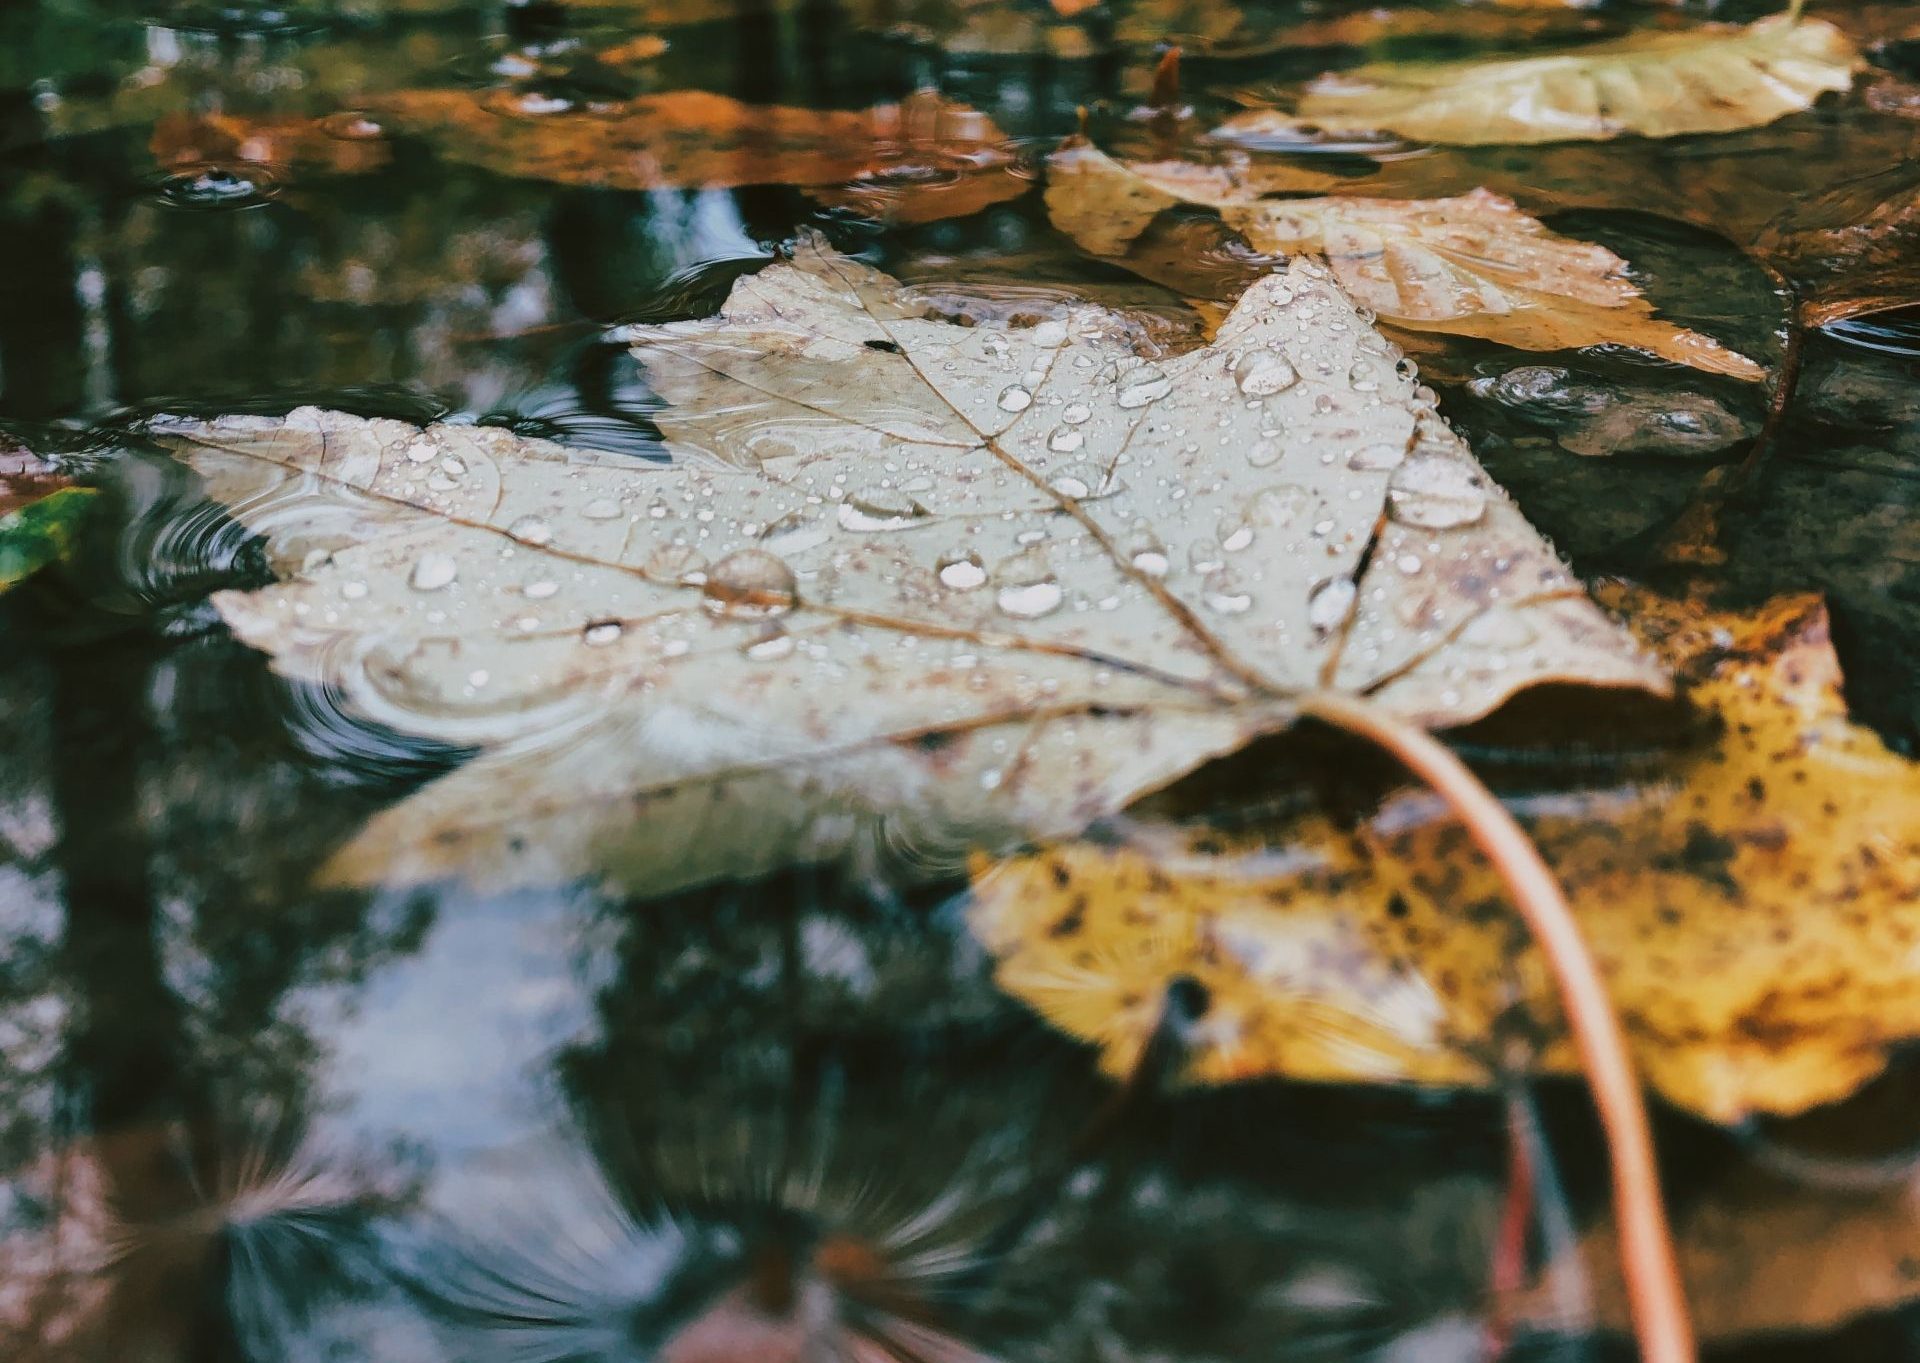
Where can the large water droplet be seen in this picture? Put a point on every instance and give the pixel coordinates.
(531, 530)
(879, 508)
(1076, 413)
(1014, 398)
(795, 533)
(1143, 385)
(602, 632)
(1145, 551)
(1382, 454)
(601, 509)
(1262, 373)
(1050, 334)
(1066, 440)
(1027, 586)
(961, 571)
(1030, 602)
(1266, 451)
(750, 584)
(432, 571)
(1225, 593)
(1330, 603)
(1436, 493)
(1076, 481)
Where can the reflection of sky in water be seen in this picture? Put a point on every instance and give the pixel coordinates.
(448, 1047)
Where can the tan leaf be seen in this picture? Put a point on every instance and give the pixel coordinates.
(1756, 908)
(910, 587)
(1473, 264)
(1717, 78)
(921, 159)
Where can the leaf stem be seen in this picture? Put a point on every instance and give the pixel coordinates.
(1660, 1320)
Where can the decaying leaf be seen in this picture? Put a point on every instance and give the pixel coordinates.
(1717, 78)
(1472, 264)
(910, 585)
(40, 512)
(1854, 249)
(1756, 912)
(921, 159)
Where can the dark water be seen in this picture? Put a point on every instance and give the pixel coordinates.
(242, 1118)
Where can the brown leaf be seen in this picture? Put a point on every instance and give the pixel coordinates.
(1755, 905)
(915, 161)
(1855, 249)
(1473, 264)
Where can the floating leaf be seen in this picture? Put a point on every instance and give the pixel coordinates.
(1473, 264)
(40, 512)
(911, 585)
(921, 159)
(1717, 78)
(1756, 912)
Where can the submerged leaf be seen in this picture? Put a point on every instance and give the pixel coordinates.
(933, 158)
(40, 512)
(1854, 249)
(910, 586)
(1756, 914)
(1473, 264)
(1718, 78)
(1760, 1255)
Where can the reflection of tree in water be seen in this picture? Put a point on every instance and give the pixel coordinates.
(816, 1132)
(165, 1198)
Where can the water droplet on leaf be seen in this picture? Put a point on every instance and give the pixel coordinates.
(1262, 373)
(531, 530)
(750, 584)
(432, 571)
(961, 571)
(1434, 492)
(1138, 387)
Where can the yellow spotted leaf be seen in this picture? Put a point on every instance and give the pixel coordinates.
(1472, 264)
(1755, 907)
(1716, 78)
